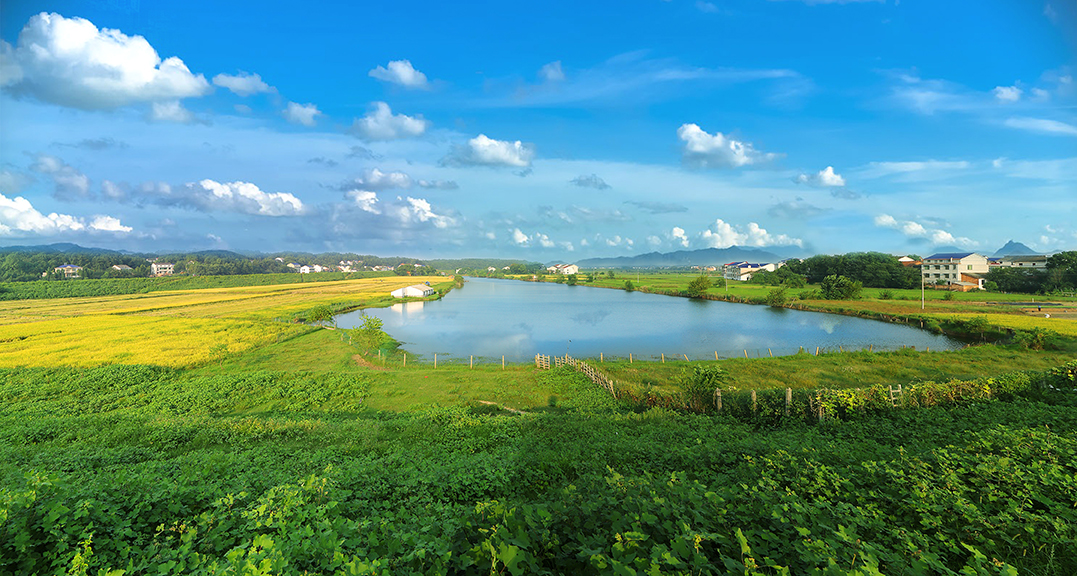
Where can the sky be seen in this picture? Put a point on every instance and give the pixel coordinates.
(539, 131)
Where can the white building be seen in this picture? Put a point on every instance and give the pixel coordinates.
(161, 269)
(1031, 262)
(563, 269)
(962, 270)
(69, 270)
(413, 291)
(742, 271)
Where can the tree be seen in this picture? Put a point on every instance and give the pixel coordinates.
(628, 286)
(777, 297)
(370, 334)
(698, 288)
(837, 287)
(573, 279)
(609, 274)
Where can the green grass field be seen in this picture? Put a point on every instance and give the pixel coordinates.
(307, 455)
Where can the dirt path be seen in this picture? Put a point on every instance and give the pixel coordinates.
(513, 410)
(366, 363)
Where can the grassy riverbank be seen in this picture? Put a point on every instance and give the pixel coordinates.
(304, 454)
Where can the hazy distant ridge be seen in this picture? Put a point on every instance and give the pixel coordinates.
(704, 257)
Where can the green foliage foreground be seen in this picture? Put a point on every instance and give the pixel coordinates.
(145, 471)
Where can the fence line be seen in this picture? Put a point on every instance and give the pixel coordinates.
(818, 400)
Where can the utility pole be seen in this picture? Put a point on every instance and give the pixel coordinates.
(921, 284)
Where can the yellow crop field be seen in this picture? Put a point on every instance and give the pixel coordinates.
(177, 329)
(1061, 325)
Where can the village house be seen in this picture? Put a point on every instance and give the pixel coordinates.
(69, 270)
(122, 268)
(161, 269)
(959, 271)
(563, 269)
(413, 291)
(742, 271)
(1033, 262)
(908, 262)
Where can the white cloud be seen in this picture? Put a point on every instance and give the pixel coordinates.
(1007, 93)
(13, 182)
(243, 84)
(438, 184)
(171, 111)
(366, 200)
(707, 150)
(552, 72)
(301, 113)
(419, 210)
(519, 237)
(68, 61)
(590, 181)
(108, 224)
(723, 235)
(706, 7)
(70, 183)
(1042, 126)
(544, 240)
(825, 177)
(374, 179)
(880, 169)
(381, 124)
(914, 229)
(678, 235)
(484, 151)
(242, 197)
(18, 217)
(401, 72)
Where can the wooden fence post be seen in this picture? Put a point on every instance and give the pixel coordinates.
(771, 352)
(405, 359)
(629, 357)
(745, 353)
(718, 398)
(502, 361)
(471, 362)
(600, 358)
(686, 358)
(715, 354)
(753, 401)
(788, 400)
(435, 359)
(663, 357)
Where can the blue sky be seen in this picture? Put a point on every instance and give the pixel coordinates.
(552, 131)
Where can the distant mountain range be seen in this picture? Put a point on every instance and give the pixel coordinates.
(684, 258)
(62, 248)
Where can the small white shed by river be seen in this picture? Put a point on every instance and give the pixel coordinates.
(413, 291)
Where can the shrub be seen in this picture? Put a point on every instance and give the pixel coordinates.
(777, 297)
(698, 287)
(699, 386)
(1034, 339)
(886, 294)
(836, 287)
(629, 286)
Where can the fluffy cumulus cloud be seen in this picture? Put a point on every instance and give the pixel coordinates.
(483, 151)
(70, 183)
(723, 235)
(209, 196)
(916, 230)
(374, 179)
(401, 73)
(304, 114)
(411, 210)
(552, 72)
(678, 235)
(716, 150)
(381, 124)
(825, 177)
(366, 200)
(1007, 93)
(243, 84)
(19, 218)
(70, 62)
(590, 181)
(13, 182)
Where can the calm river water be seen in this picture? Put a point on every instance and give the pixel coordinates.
(490, 318)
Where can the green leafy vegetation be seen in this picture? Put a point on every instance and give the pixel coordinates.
(150, 471)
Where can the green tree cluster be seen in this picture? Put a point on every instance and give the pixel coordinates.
(698, 288)
(836, 287)
(871, 269)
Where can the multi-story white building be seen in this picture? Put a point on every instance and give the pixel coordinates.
(161, 269)
(742, 271)
(563, 269)
(960, 270)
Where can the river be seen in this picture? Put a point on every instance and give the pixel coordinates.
(490, 318)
